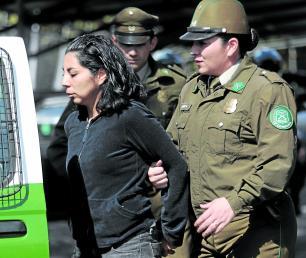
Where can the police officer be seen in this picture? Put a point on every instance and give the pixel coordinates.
(135, 34)
(236, 125)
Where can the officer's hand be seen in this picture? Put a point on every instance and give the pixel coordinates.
(216, 215)
(158, 176)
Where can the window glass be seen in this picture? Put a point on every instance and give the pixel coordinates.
(10, 165)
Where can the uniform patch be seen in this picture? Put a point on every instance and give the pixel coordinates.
(162, 96)
(238, 86)
(281, 117)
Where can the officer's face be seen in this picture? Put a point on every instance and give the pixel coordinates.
(137, 55)
(81, 85)
(211, 56)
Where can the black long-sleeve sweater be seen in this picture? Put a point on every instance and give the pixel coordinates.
(112, 155)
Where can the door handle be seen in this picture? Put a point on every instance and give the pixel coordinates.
(12, 228)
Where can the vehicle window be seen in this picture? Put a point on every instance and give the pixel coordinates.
(10, 160)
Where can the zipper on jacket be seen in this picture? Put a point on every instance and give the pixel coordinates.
(84, 138)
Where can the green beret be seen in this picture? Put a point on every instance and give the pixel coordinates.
(134, 26)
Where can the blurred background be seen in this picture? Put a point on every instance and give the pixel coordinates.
(47, 25)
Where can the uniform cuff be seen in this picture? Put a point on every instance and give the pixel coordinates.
(235, 202)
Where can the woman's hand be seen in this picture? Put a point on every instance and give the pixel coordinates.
(216, 215)
(167, 249)
(158, 176)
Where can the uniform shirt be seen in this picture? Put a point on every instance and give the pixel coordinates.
(163, 85)
(144, 73)
(108, 160)
(239, 141)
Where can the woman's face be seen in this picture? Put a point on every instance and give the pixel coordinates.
(210, 56)
(81, 85)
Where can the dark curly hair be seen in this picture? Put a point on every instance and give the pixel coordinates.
(121, 85)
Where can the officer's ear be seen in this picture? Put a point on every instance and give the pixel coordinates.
(232, 46)
(153, 43)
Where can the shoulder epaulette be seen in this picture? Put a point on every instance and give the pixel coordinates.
(273, 77)
(175, 68)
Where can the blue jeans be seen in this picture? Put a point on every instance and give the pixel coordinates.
(140, 246)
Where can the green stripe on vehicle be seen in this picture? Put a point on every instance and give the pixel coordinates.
(31, 210)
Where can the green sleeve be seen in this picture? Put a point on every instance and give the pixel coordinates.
(276, 147)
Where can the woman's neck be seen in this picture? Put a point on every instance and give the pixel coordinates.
(92, 108)
(92, 113)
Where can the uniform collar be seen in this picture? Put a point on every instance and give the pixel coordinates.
(223, 78)
(240, 77)
(201, 82)
(227, 75)
(235, 79)
(157, 71)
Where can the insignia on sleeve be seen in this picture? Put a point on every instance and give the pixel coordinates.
(281, 117)
(238, 86)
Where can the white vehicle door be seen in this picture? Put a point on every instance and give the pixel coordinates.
(23, 223)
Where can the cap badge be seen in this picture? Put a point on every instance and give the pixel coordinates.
(238, 86)
(281, 117)
(230, 106)
(131, 28)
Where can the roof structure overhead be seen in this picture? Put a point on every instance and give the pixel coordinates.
(269, 17)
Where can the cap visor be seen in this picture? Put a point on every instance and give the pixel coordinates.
(132, 40)
(192, 36)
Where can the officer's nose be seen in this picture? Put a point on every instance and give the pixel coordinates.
(132, 51)
(195, 49)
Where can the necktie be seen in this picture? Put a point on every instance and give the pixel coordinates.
(213, 84)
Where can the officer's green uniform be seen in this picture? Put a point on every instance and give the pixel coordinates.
(239, 143)
(163, 85)
(133, 26)
(239, 140)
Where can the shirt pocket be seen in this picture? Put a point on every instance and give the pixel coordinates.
(223, 136)
(181, 126)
